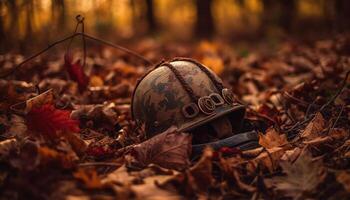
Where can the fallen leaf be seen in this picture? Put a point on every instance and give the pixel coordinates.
(123, 183)
(344, 178)
(6, 146)
(202, 171)
(302, 177)
(215, 63)
(169, 149)
(291, 155)
(76, 72)
(28, 157)
(268, 158)
(48, 120)
(272, 139)
(89, 177)
(78, 145)
(314, 128)
(96, 81)
(40, 100)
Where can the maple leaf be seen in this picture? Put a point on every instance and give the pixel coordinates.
(272, 139)
(47, 120)
(76, 72)
(302, 177)
(169, 149)
(89, 177)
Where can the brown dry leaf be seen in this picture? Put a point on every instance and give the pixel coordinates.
(241, 184)
(272, 139)
(291, 155)
(335, 134)
(169, 149)
(28, 157)
(344, 178)
(125, 185)
(268, 158)
(202, 171)
(119, 176)
(65, 158)
(150, 190)
(195, 181)
(314, 128)
(89, 177)
(41, 99)
(6, 147)
(78, 145)
(302, 177)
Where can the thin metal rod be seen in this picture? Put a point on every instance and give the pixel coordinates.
(145, 60)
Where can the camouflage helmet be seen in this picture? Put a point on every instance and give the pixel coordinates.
(184, 93)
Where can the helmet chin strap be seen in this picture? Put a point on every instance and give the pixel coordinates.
(222, 127)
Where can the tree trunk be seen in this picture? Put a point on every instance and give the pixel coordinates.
(152, 25)
(205, 24)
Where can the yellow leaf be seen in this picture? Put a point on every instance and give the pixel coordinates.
(215, 63)
(272, 139)
(96, 81)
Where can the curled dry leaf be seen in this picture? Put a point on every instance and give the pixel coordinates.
(40, 100)
(314, 128)
(170, 149)
(272, 139)
(302, 177)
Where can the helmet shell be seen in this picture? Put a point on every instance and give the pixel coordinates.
(161, 100)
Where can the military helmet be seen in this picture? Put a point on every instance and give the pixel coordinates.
(184, 93)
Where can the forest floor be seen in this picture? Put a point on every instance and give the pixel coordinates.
(66, 133)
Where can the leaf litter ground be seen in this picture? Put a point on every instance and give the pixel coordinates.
(66, 133)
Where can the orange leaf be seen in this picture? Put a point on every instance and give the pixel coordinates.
(89, 178)
(272, 139)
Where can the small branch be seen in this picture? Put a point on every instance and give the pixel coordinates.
(5, 74)
(118, 47)
(336, 120)
(338, 92)
(99, 164)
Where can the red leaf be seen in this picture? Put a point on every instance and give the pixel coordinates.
(46, 119)
(99, 151)
(76, 72)
(227, 151)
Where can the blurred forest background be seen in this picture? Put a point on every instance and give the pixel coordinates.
(28, 25)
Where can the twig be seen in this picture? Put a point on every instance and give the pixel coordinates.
(299, 101)
(309, 109)
(5, 74)
(338, 92)
(99, 164)
(336, 120)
